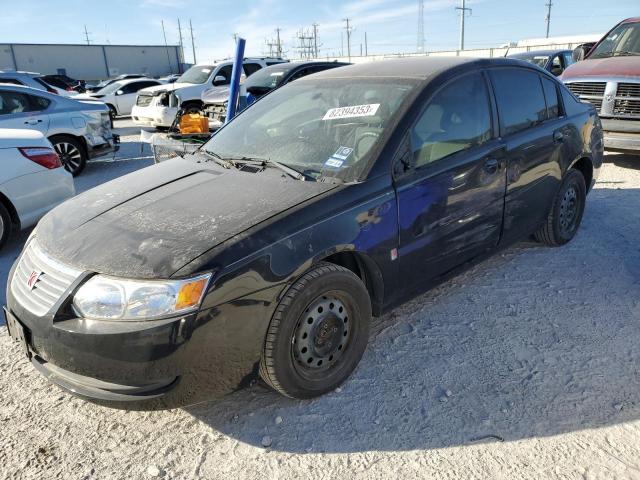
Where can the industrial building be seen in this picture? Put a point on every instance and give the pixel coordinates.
(92, 62)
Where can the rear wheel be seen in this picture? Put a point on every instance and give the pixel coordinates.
(318, 333)
(113, 113)
(71, 152)
(566, 214)
(5, 225)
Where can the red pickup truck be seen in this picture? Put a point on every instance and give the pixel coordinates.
(608, 76)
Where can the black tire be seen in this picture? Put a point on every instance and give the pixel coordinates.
(328, 310)
(566, 214)
(71, 152)
(5, 225)
(192, 108)
(113, 113)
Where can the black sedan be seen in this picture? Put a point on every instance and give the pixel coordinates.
(328, 202)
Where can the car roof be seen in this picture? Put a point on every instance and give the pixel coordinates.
(414, 67)
(537, 52)
(631, 20)
(127, 81)
(18, 73)
(26, 89)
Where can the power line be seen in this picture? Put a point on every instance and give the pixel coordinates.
(463, 11)
(181, 46)
(315, 40)
(420, 48)
(548, 17)
(275, 45)
(306, 44)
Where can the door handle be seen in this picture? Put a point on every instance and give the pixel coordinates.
(32, 122)
(491, 165)
(558, 136)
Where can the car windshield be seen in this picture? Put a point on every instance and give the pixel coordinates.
(196, 75)
(622, 40)
(112, 87)
(322, 128)
(539, 60)
(269, 77)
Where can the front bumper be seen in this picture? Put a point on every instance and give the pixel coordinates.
(621, 135)
(148, 365)
(153, 116)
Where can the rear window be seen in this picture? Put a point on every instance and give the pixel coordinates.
(11, 81)
(521, 103)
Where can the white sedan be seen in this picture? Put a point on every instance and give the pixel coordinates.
(32, 180)
(120, 96)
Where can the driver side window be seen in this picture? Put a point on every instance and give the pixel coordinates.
(456, 118)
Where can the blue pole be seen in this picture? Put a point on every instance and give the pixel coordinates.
(234, 89)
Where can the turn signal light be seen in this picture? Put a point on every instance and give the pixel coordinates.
(46, 157)
(190, 294)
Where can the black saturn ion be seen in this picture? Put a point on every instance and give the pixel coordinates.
(267, 253)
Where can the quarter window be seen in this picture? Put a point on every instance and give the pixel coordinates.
(251, 68)
(456, 118)
(520, 99)
(17, 102)
(551, 96)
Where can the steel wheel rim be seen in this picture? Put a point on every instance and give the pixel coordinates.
(322, 334)
(70, 156)
(569, 210)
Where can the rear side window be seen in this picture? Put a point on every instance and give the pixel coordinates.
(551, 95)
(520, 99)
(456, 118)
(251, 68)
(136, 86)
(17, 102)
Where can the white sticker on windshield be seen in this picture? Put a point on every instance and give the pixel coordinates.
(351, 112)
(343, 153)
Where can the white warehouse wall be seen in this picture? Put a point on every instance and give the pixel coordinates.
(91, 62)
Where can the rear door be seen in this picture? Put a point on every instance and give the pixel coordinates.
(451, 200)
(22, 110)
(534, 138)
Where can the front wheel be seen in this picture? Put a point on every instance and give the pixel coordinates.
(566, 214)
(318, 333)
(5, 225)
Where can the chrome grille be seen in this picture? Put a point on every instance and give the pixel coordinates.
(596, 102)
(144, 100)
(587, 88)
(627, 107)
(628, 90)
(53, 280)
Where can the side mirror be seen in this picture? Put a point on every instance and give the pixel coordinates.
(581, 51)
(556, 71)
(120, 92)
(219, 80)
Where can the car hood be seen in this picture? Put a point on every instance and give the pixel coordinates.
(152, 222)
(166, 87)
(215, 95)
(604, 67)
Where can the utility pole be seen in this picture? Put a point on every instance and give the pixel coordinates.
(315, 40)
(279, 43)
(193, 43)
(86, 35)
(341, 43)
(349, 30)
(366, 49)
(420, 48)
(181, 46)
(235, 38)
(548, 18)
(463, 13)
(166, 47)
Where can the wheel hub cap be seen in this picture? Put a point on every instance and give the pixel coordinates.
(322, 333)
(568, 209)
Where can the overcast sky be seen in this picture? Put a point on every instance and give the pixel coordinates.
(391, 25)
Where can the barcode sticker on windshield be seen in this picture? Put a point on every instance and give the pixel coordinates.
(352, 112)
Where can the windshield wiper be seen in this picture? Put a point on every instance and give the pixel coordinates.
(292, 172)
(218, 159)
(611, 53)
(625, 53)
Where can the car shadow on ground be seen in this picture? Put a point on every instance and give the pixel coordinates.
(623, 160)
(535, 341)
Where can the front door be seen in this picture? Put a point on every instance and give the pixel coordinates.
(451, 201)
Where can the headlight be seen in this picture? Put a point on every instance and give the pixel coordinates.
(109, 298)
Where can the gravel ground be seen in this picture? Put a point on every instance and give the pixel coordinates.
(525, 366)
